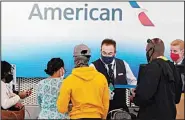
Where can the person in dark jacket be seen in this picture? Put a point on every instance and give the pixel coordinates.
(159, 89)
(177, 56)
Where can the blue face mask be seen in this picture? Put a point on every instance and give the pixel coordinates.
(107, 60)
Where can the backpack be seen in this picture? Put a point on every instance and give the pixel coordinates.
(120, 114)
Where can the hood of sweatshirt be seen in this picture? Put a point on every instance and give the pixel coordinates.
(85, 73)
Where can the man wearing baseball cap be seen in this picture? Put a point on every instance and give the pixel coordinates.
(85, 87)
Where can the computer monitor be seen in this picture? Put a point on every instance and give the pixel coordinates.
(141, 72)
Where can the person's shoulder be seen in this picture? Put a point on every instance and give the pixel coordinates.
(121, 60)
(154, 62)
(118, 59)
(69, 78)
(101, 79)
(91, 65)
(43, 81)
(55, 80)
(183, 62)
(40, 82)
(3, 85)
(100, 75)
(159, 63)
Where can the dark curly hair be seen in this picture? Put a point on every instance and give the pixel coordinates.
(5, 68)
(54, 65)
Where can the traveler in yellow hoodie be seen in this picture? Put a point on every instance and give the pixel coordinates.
(86, 88)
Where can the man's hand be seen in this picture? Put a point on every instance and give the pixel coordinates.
(131, 98)
(133, 90)
(133, 94)
(25, 94)
(18, 105)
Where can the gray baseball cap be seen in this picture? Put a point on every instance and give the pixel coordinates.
(82, 50)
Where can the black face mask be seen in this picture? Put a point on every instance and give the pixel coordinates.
(8, 78)
(148, 56)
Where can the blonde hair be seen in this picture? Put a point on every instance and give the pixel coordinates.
(178, 42)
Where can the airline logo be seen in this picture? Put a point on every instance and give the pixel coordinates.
(143, 18)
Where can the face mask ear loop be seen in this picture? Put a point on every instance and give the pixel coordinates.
(153, 49)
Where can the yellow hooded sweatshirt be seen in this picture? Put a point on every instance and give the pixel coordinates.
(88, 91)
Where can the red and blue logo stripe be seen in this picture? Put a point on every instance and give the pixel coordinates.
(143, 18)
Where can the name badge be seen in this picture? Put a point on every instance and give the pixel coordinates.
(111, 94)
(111, 87)
(119, 74)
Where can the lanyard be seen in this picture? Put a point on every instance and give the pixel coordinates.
(111, 68)
(111, 86)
